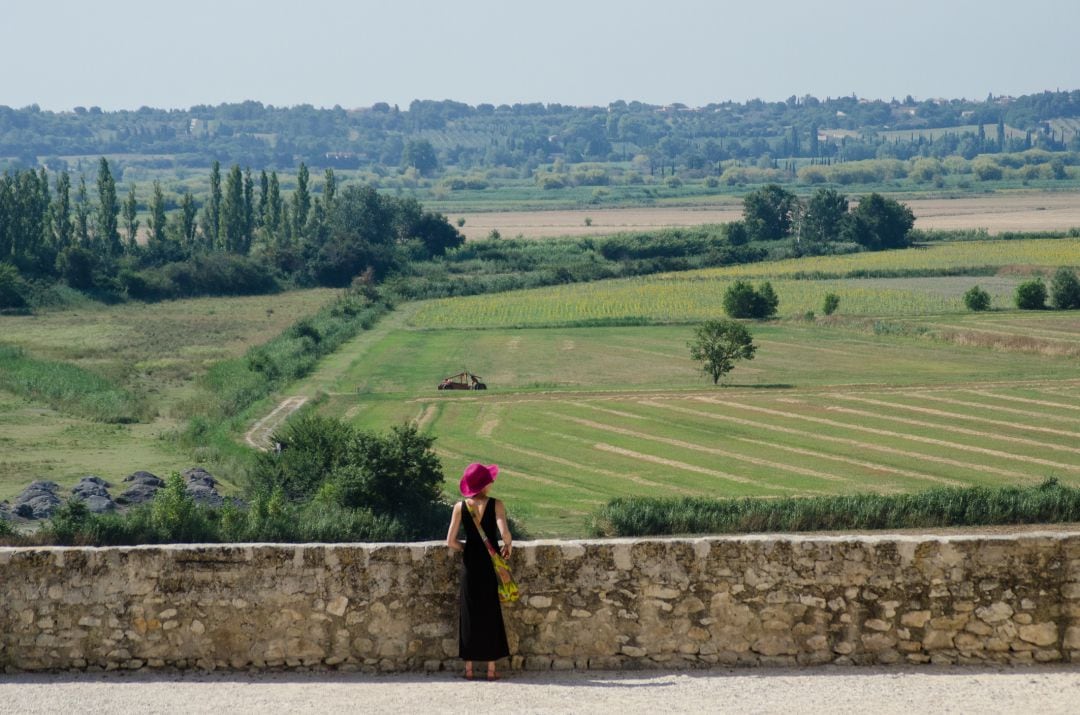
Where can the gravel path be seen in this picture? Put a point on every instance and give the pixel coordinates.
(1047, 690)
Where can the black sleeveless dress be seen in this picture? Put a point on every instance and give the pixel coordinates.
(481, 635)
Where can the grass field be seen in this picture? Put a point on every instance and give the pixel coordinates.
(157, 351)
(577, 416)
(903, 389)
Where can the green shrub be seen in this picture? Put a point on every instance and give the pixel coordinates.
(831, 303)
(13, 288)
(1065, 290)
(1031, 295)
(395, 476)
(977, 299)
(175, 517)
(742, 300)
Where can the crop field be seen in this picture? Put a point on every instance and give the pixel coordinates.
(157, 351)
(1002, 211)
(901, 390)
(697, 295)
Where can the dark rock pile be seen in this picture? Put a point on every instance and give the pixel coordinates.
(144, 486)
(41, 499)
(37, 501)
(203, 487)
(94, 491)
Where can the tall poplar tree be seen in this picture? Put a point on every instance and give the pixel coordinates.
(107, 233)
(156, 221)
(264, 199)
(188, 226)
(61, 212)
(130, 210)
(249, 209)
(329, 190)
(82, 215)
(274, 206)
(232, 211)
(301, 201)
(211, 219)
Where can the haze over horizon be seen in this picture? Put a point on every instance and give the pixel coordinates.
(122, 54)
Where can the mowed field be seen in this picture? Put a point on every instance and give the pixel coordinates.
(888, 395)
(1036, 211)
(155, 349)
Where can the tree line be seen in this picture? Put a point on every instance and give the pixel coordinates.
(428, 134)
(771, 213)
(244, 238)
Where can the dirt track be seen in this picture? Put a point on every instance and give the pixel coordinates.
(1046, 690)
(995, 213)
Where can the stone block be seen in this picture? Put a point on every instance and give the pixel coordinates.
(994, 613)
(915, 619)
(1041, 634)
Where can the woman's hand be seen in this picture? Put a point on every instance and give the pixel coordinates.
(506, 549)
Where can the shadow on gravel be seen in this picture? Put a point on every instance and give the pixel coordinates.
(569, 678)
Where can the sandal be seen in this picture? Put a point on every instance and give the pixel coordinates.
(468, 672)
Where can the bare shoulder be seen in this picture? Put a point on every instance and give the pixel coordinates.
(500, 507)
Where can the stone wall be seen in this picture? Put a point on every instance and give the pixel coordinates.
(667, 603)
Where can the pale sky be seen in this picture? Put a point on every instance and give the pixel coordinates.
(123, 54)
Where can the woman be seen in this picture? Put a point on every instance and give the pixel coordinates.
(481, 635)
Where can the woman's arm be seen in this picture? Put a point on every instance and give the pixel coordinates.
(452, 535)
(504, 529)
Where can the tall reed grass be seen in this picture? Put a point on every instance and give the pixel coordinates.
(1049, 502)
(69, 388)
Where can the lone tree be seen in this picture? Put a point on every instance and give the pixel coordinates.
(717, 344)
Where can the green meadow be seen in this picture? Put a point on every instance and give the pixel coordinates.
(153, 353)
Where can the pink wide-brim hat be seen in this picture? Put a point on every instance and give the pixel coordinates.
(477, 477)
